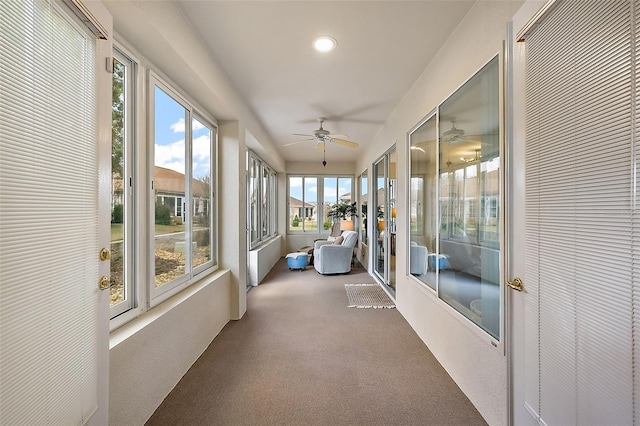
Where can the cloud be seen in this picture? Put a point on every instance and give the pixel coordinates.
(295, 182)
(330, 192)
(196, 125)
(170, 156)
(178, 127)
(202, 148)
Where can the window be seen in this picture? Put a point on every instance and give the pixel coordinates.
(337, 200)
(177, 191)
(455, 194)
(122, 106)
(423, 201)
(183, 190)
(263, 183)
(306, 213)
(364, 200)
(303, 204)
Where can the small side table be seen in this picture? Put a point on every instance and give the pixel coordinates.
(309, 251)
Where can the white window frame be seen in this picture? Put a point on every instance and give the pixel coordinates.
(129, 227)
(320, 203)
(159, 294)
(269, 198)
(141, 158)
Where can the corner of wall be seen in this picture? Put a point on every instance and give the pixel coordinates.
(150, 355)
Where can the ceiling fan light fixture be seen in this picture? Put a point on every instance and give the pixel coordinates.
(452, 135)
(324, 44)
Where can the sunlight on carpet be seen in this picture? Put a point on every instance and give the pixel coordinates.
(368, 296)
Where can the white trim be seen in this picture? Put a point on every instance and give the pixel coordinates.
(84, 14)
(535, 20)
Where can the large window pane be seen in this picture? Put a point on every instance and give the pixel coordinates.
(423, 201)
(170, 187)
(121, 291)
(469, 258)
(314, 199)
(201, 169)
(337, 200)
(303, 204)
(377, 215)
(265, 202)
(364, 201)
(254, 198)
(310, 208)
(262, 201)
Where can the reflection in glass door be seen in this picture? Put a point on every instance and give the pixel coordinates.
(391, 216)
(378, 231)
(384, 199)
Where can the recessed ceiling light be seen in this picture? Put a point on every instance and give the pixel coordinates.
(324, 44)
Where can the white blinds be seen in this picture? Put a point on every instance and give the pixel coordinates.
(582, 237)
(48, 217)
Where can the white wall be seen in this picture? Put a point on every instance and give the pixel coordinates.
(263, 258)
(232, 207)
(150, 355)
(473, 362)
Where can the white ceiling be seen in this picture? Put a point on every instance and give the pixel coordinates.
(265, 48)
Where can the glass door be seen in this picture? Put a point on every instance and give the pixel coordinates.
(384, 200)
(391, 216)
(377, 218)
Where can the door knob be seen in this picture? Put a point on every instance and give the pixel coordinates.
(105, 254)
(516, 284)
(104, 282)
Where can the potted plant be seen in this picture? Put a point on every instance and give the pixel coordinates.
(342, 211)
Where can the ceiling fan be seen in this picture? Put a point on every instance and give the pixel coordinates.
(322, 136)
(453, 135)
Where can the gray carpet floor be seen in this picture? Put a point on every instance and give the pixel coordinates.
(300, 356)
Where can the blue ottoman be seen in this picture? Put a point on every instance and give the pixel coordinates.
(442, 259)
(297, 261)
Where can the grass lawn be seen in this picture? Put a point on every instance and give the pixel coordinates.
(117, 230)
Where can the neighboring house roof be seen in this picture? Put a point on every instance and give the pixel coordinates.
(168, 181)
(294, 203)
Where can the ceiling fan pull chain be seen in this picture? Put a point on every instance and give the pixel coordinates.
(324, 152)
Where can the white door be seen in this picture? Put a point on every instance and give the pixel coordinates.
(571, 341)
(515, 324)
(54, 216)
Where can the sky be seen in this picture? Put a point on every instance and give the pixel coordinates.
(332, 187)
(170, 151)
(170, 134)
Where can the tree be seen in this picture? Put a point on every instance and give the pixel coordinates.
(343, 211)
(117, 119)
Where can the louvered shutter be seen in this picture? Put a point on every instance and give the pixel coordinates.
(581, 227)
(48, 217)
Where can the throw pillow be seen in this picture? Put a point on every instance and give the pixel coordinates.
(338, 240)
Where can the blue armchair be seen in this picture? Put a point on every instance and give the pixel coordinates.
(335, 257)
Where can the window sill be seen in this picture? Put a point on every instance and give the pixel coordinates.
(135, 325)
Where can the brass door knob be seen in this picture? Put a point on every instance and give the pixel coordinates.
(516, 284)
(104, 282)
(105, 254)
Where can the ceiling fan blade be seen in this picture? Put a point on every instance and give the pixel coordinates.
(320, 146)
(338, 136)
(297, 142)
(301, 134)
(345, 143)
